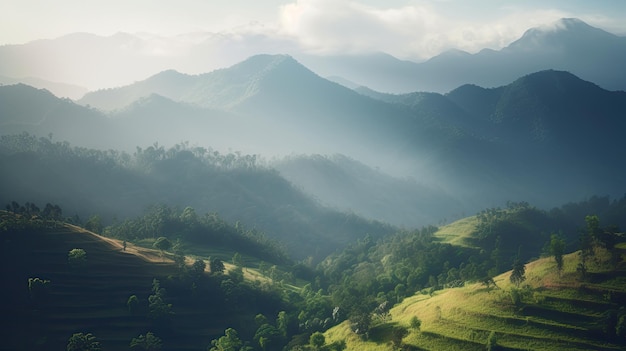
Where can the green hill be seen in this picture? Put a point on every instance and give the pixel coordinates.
(92, 296)
(554, 313)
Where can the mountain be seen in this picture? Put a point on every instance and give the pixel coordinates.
(62, 90)
(283, 107)
(568, 44)
(547, 137)
(350, 186)
(27, 109)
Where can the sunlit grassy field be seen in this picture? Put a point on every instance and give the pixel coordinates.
(557, 312)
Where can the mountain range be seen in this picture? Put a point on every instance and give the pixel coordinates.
(121, 59)
(547, 137)
(568, 45)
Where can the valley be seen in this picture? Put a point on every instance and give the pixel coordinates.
(303, 201)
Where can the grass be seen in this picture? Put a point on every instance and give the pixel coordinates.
(458, 232)
(558, 312)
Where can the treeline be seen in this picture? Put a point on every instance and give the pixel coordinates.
(30, 216)
(119, 185)
(209, 230)
(141, 158)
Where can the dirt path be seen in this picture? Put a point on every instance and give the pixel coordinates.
(148, 255)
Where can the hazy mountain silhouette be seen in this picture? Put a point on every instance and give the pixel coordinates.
(547, 138)
(97, 62)
(348, 185)
(62, 90)
(568, 44)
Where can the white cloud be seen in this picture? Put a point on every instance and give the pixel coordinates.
(417, 30)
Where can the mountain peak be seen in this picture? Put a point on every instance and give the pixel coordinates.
(564, 32)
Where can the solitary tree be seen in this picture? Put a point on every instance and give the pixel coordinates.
(77, 258)
(557, 248)
(518, 275)
(83, 342)
(415, 323)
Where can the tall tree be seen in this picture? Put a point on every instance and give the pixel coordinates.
(557, 249)
(518, 274)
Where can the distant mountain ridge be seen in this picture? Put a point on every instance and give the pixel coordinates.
(568, 45)
(546, 138)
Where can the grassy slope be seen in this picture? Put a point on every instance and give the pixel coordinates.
(560, 313)
(458, 232)
(92, 300)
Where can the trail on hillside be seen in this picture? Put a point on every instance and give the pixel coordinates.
(148, 255)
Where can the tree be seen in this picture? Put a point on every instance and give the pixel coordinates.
(397, 334)
(360, 322)
(163, 244)
(317, 340)
(282, 323)
(415, 323)
(229, 342)
(83, 342)
(197, 269)
(489, 283)
(37, 288)
(94, 224)
(557, 248)
(149, 342)
(217, 266)
(518, 274)
(157, 308)
(268, 337)
(77, 258)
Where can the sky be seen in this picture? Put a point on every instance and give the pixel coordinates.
(411, 29)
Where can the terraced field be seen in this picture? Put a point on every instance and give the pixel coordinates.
(555, 313)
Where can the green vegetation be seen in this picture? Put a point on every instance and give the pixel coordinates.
(148, 342)
(445, 295)
(77, 258)
(83, 342)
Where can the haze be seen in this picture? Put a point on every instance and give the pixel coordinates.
(231, 31)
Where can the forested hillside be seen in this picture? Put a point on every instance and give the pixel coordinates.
(117, 185)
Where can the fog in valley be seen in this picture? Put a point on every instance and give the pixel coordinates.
(313, 175)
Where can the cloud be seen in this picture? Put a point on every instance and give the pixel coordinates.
(417, 30)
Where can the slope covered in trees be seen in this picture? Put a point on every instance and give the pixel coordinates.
(117, 185)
